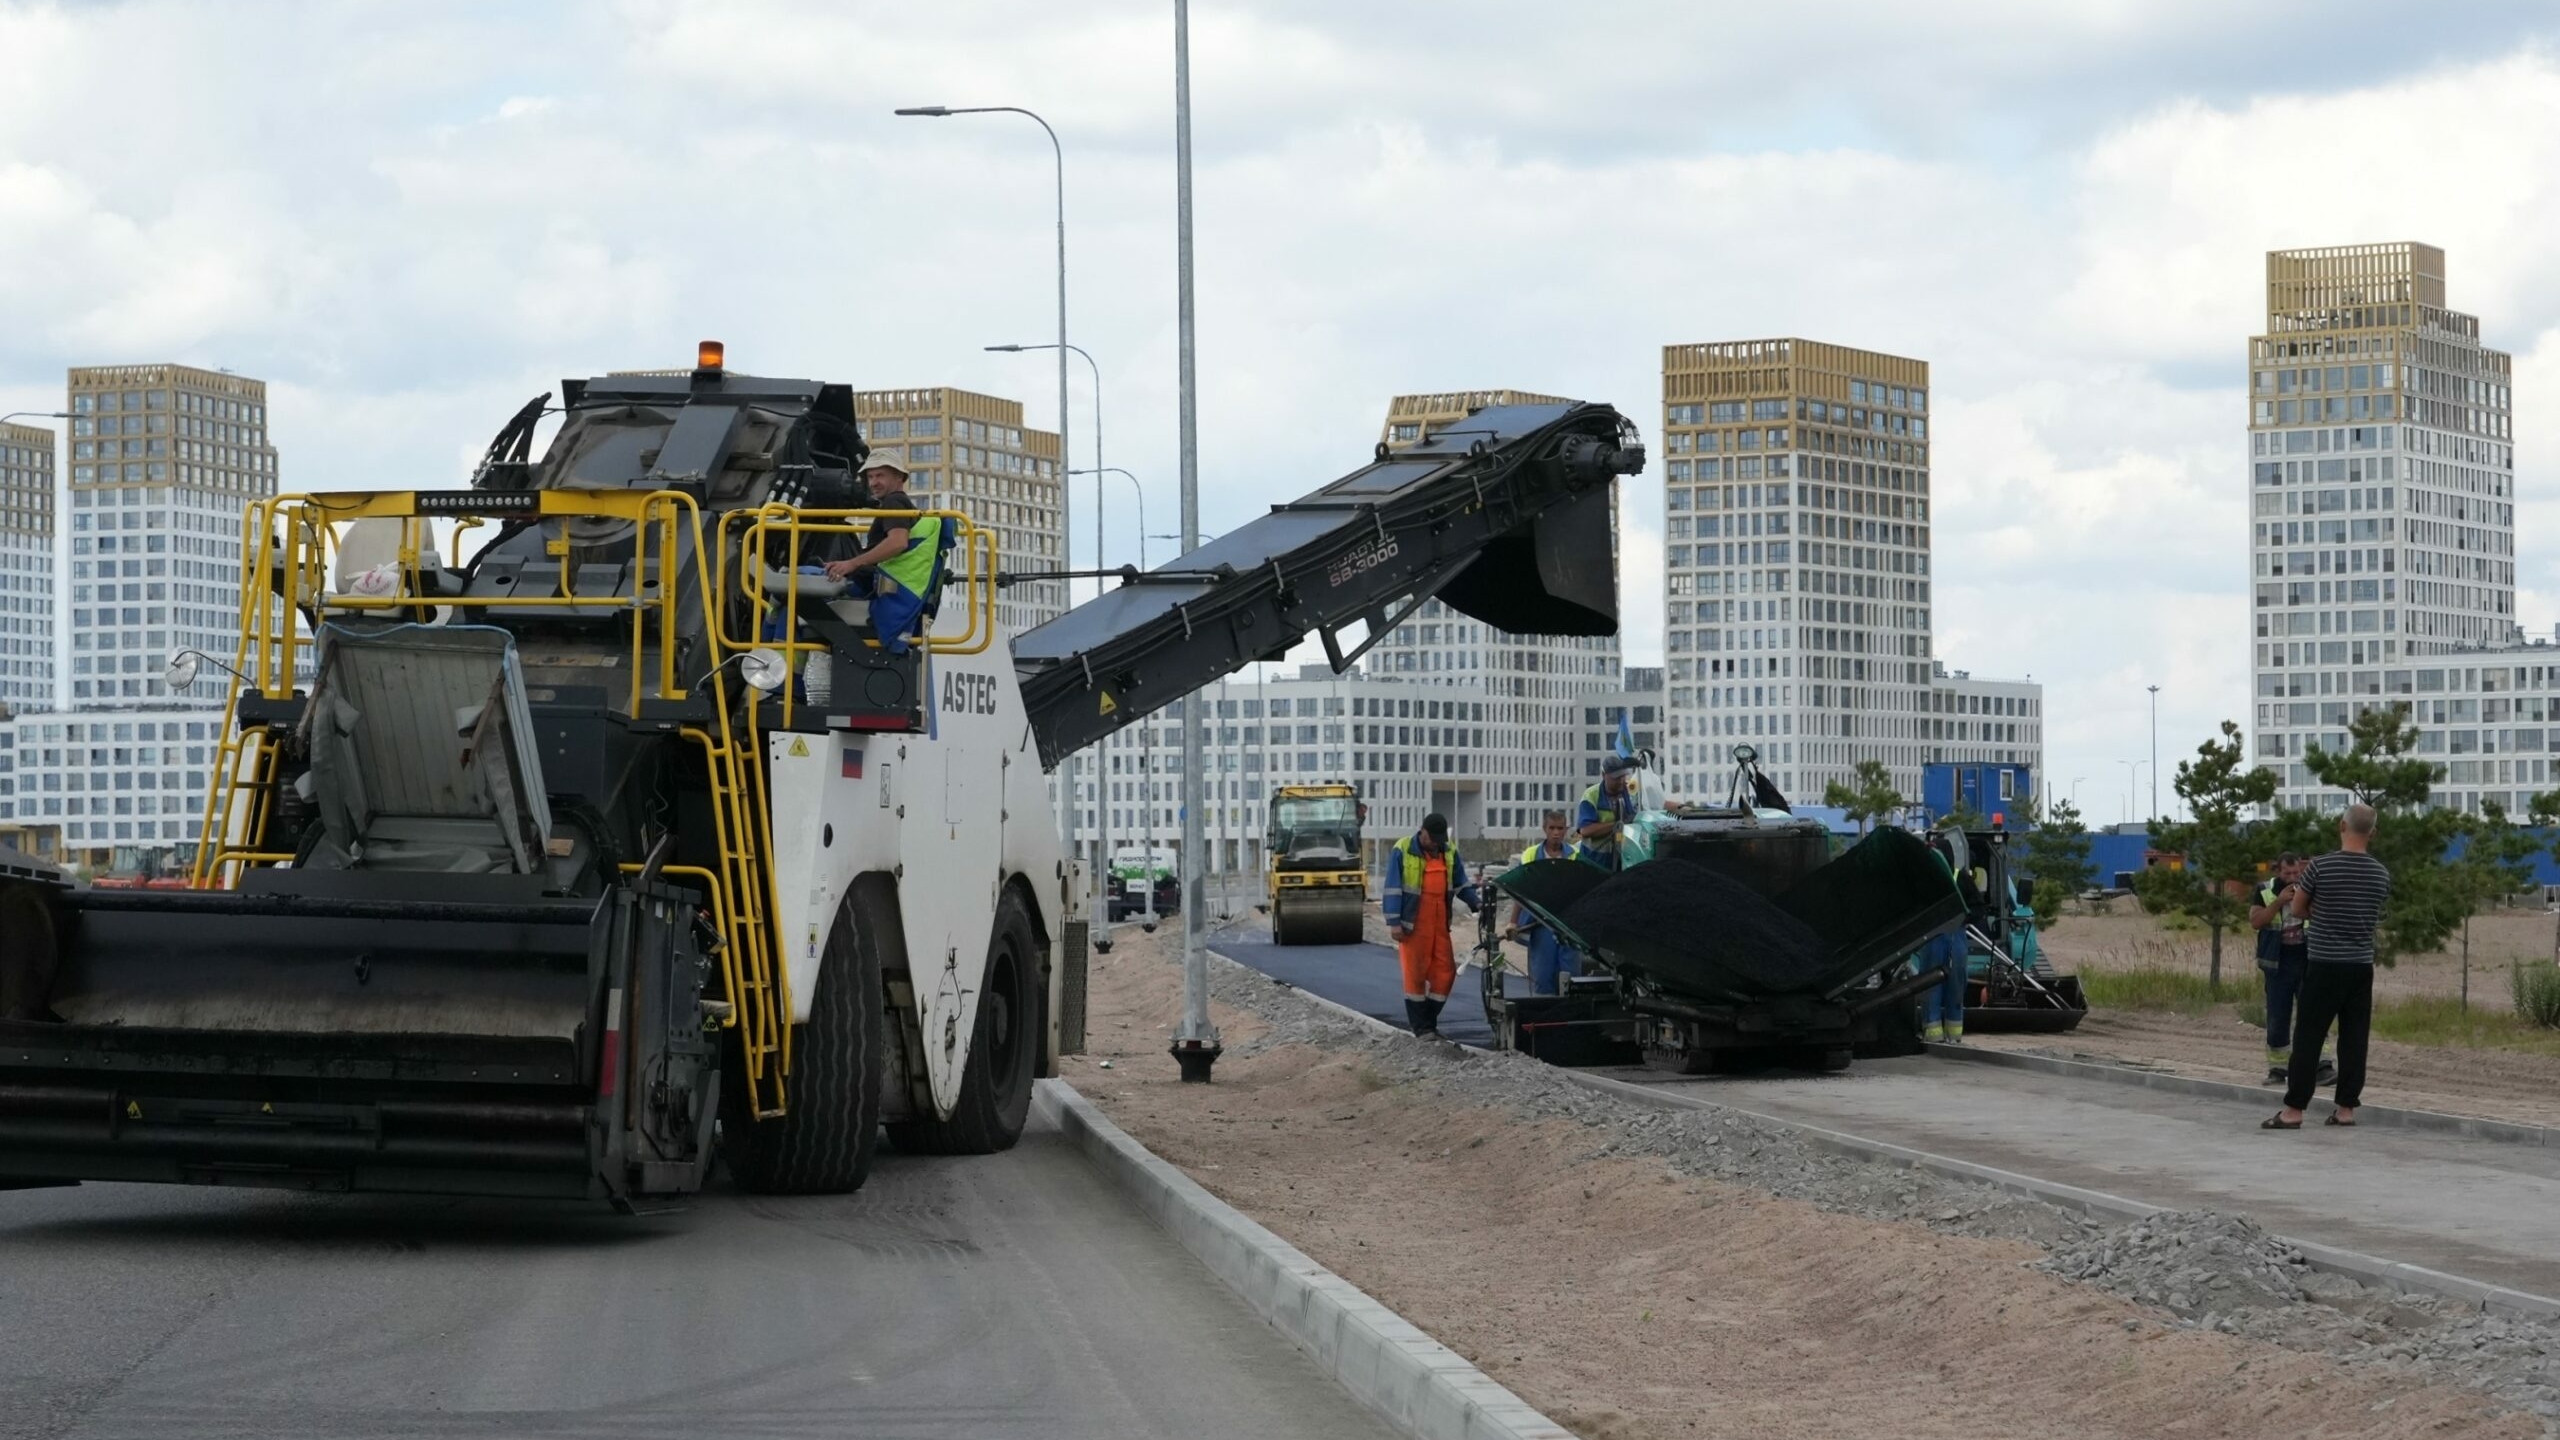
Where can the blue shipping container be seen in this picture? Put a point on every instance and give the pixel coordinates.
(1985, 789)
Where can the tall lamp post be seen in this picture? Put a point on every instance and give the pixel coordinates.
(2132, 769)
(1101, 762)
(1066, 767)
(1195, 1042)
(2155, 751)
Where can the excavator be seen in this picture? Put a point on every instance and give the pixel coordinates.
(572, 833)
(1318, 892)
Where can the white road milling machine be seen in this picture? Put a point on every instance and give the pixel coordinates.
(606, 838)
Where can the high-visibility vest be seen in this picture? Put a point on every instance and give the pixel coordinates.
(1537, 852)
(912, 567)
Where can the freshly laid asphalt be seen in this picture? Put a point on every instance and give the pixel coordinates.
(2478, 1208)
(1010, 1295)
(1364, 977)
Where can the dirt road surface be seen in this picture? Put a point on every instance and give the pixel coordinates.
(1631, 1300)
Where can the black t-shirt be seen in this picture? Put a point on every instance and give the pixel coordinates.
(894, 500)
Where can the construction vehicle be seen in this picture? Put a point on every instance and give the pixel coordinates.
(1145, 883)
(1651, 997)
(1318, 892)
(567, 871)
(2010, 986)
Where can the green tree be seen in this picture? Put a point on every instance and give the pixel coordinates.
(2057, 849)
(1870, 798)
(2429, 898)
(2219, 856)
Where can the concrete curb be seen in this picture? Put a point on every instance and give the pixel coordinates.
(2370, 1269)
(2468, 1126)
(1413, 1382)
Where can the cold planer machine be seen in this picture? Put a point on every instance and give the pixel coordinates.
(539, 863)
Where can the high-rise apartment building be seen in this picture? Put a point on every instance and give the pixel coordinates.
(165, 462)
(971, 452)
(2382, 512)
(26, 567)
(1535, 687)
(1796, 561)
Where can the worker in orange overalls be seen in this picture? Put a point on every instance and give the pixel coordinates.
(1423, 873)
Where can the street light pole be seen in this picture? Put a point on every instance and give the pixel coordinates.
(1101, 921)
(2132, 768)
(2155, 751)
(1195, 1044)
(2075, 790)
(1058, 153)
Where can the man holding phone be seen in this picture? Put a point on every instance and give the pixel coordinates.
(2284, 954)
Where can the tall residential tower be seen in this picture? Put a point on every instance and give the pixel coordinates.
(26, 567)
(1796, 575)
(165, 461)
(2382, 502)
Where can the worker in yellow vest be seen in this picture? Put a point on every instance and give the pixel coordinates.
(1424, 875)
(894, 569)
(1550, 959)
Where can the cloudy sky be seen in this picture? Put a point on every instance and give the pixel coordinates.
(411, 218)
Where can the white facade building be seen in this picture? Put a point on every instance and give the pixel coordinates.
(165, 463)
(1984, 721)
(84, 783)
(26, 567)
(1796, 579)
(2382, 522)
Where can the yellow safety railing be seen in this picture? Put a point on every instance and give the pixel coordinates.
(287, 546)
(780, 531)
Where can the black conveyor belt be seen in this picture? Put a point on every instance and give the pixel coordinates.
(1504, 515)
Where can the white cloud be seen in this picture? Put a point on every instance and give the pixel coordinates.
(411, 221)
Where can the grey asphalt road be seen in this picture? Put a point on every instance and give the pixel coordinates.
(2481, 1208)
(1013, 1295)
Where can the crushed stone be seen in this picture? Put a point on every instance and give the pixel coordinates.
(2202, 1269)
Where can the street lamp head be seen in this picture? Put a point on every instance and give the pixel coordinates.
(936, 111)
(1006, 349)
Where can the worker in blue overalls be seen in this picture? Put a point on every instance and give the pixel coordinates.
(1550, 958)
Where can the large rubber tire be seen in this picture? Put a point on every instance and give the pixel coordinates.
(823, 1143)
(1004, 1048)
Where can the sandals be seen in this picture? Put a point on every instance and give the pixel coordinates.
(2333, 1120)
(2278, 1122)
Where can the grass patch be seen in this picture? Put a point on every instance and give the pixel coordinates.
(2160, 987)
(2441, 1020)
(2437, 1020)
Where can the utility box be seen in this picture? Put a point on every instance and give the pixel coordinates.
(1993, 792)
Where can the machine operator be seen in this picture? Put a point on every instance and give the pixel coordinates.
(1606, 810)
(894, 568)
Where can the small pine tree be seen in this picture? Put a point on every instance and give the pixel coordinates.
(2429, 898)
(1870, 799)
(2057, 849)
(2219, 857)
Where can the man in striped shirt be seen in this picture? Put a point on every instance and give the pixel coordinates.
(2342, 893)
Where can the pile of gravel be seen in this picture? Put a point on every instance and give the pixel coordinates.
(2201, 1264)
(2201, 1268)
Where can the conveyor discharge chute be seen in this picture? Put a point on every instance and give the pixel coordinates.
(1504, 515)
